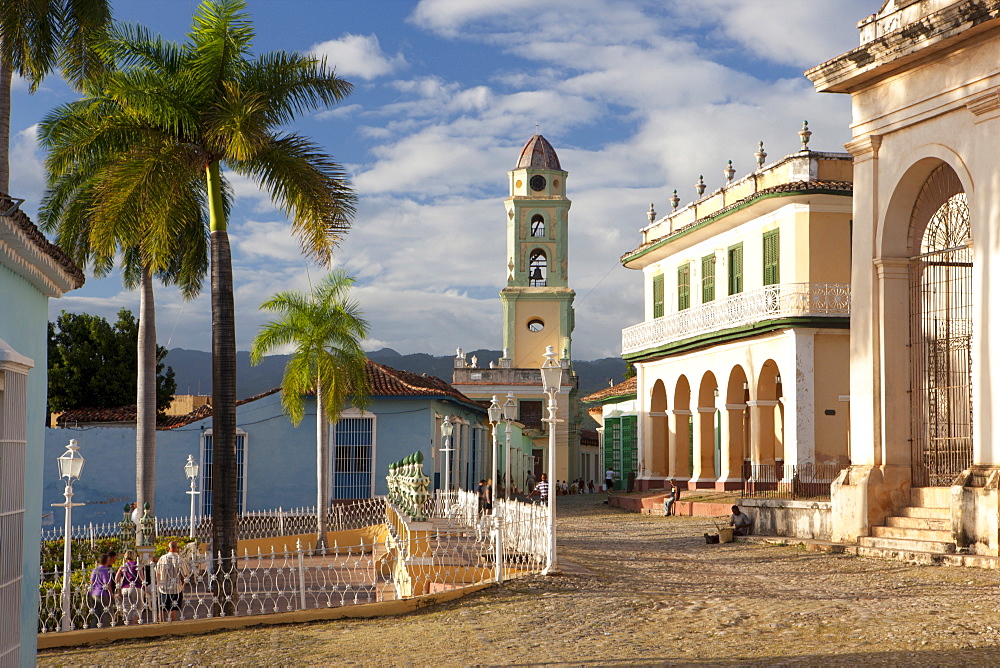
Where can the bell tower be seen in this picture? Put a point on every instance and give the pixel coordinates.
(537, 302)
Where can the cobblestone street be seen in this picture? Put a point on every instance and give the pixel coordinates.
(643, 590)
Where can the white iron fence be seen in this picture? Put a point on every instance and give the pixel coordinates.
(785, 300)
(457, 547)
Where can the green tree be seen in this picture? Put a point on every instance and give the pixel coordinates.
(325, 330)
(92, 361)
(37, 36)
(195, 106)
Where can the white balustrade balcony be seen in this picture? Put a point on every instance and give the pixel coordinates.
(771, 302)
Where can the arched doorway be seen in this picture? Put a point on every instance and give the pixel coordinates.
(681, 432)
(707, 430)
(735, 425)
(940, 269)
(655, 452)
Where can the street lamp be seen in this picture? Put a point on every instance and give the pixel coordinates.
(509, 414)
(70, 466)
(551, 380)
(446, 430)
(191, 471)
(495, 412)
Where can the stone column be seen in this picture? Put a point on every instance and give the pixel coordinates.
(731, 472)
(893, 285)
(703, 475)
(678, 464)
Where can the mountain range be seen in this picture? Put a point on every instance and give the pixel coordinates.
(193, 369)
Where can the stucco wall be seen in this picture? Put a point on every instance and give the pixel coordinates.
(778, 517)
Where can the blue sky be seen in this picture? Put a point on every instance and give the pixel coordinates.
(638, 97)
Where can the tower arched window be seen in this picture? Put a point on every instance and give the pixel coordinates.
(537, 269)
(537, 225)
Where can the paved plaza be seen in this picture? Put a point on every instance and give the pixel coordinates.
(642, 590)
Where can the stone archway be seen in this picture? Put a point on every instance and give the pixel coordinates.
(734, 432)
(656, 447)
(707, 446)
(767, 419)
(681, 453)
(940, 310)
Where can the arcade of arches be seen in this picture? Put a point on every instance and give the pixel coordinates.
(729, 416)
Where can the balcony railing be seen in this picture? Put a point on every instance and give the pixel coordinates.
(785, 300)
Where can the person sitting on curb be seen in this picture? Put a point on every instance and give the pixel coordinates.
(741, 522)
(668, 503)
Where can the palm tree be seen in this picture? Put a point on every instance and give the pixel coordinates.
(39, 35)
(94, 236)
(193, 107)
(326, 329)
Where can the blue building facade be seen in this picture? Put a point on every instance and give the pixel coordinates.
(32, 271)
(276, 460)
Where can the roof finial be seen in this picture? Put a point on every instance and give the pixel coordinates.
(700, 186)
(675, 200)
(651, 214)
(760, 154)
(729, 172)
(804, 135)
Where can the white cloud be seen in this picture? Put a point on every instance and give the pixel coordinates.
(340, 112)
(358, 56)
(27, 170)
(266, 240)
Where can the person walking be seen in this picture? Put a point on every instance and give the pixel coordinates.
(542, 489)
(529, 482)
(609, 479)
(172, 573)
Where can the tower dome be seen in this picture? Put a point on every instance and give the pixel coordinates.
(538, 154)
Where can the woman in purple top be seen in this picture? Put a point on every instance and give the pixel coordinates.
(102, 589)
(131, 585)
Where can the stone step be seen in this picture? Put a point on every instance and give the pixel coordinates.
(916, 556)
(908, 533)
(924, 523)
(901, 544)
(926, 512)
(931, 497)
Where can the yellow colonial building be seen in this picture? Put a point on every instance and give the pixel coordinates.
(537, 312)
(743, 355)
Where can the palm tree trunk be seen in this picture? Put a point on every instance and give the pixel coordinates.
(322, 468)
(224, 473)
(6, 76)
(145, 416)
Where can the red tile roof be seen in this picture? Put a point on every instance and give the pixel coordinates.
(619, 391)
(21, 220)
(384, 381)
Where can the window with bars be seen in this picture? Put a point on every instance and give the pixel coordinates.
(530, 413)
(683, 287)
(352, 458)
(772, 255)
(735, 257)
(658, 296)
(207, 470)
(708, 278)
(13, 442)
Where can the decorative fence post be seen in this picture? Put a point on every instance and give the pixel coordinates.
(302, 577)
(498, 547)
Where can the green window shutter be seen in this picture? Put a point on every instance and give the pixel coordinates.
(772, 274)
(707, 278)
(658, 296)
(630, 447)
(683, 287)
(735, 254)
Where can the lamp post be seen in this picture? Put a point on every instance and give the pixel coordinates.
(446, 430)
(70, 466)
(551, 380)
(191, 471)
(495, 412)
(509, 414)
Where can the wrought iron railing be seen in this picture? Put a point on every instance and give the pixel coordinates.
(457, 547)
(789, 481)
(784, 300)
